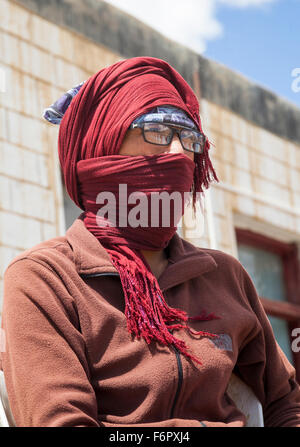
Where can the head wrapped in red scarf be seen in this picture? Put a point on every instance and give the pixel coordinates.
(91, 134)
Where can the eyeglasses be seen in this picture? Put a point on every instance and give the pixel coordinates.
(162, 135)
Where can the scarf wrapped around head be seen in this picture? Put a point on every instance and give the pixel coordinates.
(91, 134)
(100, 114)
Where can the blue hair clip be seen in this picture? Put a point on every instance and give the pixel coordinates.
(56, 111)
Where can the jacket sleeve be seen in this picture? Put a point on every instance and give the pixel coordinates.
(44, 362)
(264, 367)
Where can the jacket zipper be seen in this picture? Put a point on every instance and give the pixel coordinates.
(93, 275)
(180, 380)
(177, 353)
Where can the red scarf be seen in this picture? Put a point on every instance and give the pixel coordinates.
(91, 133)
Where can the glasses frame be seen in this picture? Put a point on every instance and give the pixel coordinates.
(174, 129)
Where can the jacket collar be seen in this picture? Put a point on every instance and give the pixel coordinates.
(185, 260)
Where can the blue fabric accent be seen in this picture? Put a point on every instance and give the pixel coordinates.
(56, 111)
(166, 115)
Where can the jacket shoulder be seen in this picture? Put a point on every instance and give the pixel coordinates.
(47, 253)
(223, 259)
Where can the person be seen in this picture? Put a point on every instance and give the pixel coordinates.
(127, 324)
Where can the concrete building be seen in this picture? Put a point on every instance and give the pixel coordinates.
(47, 47)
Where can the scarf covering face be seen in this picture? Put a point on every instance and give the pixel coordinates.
(90, 136)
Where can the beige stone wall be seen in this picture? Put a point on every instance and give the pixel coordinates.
(259, 186)
(39, 61)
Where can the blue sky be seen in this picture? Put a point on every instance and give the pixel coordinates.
(257, 38)
(261, 43)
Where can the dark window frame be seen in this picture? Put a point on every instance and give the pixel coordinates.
(290, 309)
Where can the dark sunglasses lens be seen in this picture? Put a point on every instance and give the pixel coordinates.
(192, 141)
(157, 134)
(161, 134)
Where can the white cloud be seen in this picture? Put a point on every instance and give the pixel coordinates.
(192, 22)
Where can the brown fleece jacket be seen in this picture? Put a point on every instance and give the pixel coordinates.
(70, 361)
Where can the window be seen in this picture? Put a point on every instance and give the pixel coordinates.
(71, 210)
(274, 269)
